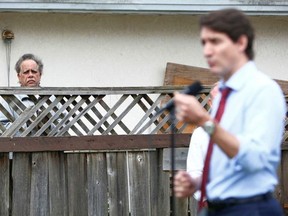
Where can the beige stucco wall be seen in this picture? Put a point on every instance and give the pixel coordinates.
(124, 50)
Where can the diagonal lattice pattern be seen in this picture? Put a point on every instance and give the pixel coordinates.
(114, 111)
(78, 112)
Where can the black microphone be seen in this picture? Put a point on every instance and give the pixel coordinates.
(193, 89)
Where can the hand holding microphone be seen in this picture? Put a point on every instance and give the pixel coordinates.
(193, 89)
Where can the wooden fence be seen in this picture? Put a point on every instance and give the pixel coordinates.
(96, 162)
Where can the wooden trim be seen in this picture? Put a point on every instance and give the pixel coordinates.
(88, 90)
(178, 74)
(255, 7)
(285, 145)
(101, 142)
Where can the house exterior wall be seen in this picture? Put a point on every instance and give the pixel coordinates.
(99, 50)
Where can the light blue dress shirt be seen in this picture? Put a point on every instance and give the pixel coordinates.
(254, 113)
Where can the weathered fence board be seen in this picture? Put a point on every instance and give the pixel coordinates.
(283, 187)
(159, 204)
(160, 185)
(101, 142)
(21, 175)
(181, 207)
(117, 171)
(97, 184)
(193, 206)
(4, 184)
(39, 201)
(139, 183)
(57, 184)
(77, 184)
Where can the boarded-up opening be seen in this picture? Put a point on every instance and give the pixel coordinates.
(178, 74)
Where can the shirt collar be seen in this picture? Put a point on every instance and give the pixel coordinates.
(22, 97)
(239, 78)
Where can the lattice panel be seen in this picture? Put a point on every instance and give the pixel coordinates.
(54, 113)
(88, 114)
(285, 138)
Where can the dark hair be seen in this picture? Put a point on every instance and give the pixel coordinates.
(28, 56)
(232, 22)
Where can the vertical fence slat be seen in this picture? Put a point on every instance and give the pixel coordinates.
(160, 185)
(193, 206)
(57, 184)
(118, 184)
(39, 205)
(77, 185)
(283, 181)
(4, 184)
(97, 184)
(181, 207)
(21, 174)
(139, 177)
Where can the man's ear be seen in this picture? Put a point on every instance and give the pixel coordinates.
(18, 75)
(242, 43)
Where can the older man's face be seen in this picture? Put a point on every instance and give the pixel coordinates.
(29, 75)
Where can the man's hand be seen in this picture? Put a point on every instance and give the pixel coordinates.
(184, 184)
(188, 109)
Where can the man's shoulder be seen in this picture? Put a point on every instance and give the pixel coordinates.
(262, 82)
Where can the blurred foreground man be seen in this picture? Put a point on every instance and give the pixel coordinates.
(245, 126)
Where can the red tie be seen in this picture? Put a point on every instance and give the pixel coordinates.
(220, 111)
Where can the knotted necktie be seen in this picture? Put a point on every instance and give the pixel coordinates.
(225, 92)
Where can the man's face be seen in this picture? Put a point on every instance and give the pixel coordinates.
(29, 75)
(224, 56)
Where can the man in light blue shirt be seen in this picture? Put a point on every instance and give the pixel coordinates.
(247, 140)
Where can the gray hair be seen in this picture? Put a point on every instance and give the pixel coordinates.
(29, 56)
